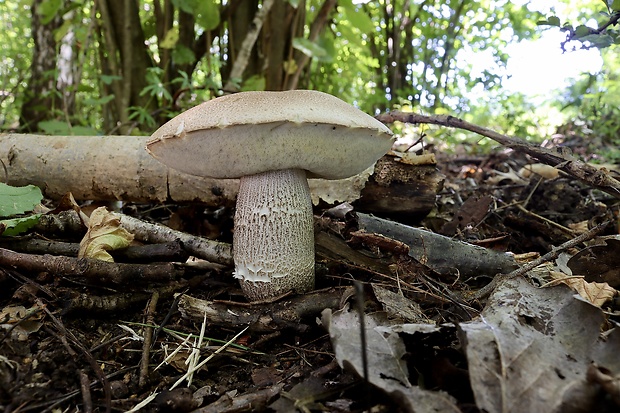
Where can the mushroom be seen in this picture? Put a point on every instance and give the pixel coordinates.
(272, 141)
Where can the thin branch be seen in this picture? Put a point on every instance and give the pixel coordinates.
(551, 255)
(241, 62)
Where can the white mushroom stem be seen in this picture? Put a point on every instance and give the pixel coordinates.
(273, 245)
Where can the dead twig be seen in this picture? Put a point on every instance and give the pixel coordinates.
(563, 161)
(95, 271)
(148, 338)
(268, 317)
(63, 335)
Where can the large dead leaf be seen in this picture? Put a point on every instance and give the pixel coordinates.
(386, 368)
(531, 348)
(104, 234)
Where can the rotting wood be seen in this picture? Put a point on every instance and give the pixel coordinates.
(401, 190)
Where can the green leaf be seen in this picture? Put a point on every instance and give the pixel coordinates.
(98, 101)
(581, 31)
(18, 200)
(554, 21)
(183, 55)
(54, 127)
(615, 5)
(185, 5)
(309, 48)
(170, 38)
(357, 17)
(84, 131)
(108, 79)
(48, 10)
(256, 82)
(18, 226)
(62, 30)
(207, 14)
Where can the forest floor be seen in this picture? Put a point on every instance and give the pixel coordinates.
(434, 340)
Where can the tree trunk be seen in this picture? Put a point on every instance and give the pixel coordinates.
(42, 96)
(126, 57)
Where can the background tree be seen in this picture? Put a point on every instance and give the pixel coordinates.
(126, 66)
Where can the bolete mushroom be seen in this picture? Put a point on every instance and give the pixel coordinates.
(272, 141)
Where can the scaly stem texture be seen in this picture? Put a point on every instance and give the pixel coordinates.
(273, 246)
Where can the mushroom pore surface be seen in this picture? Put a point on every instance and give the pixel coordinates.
(273, 245)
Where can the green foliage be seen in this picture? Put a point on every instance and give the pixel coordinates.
(377, 55)
(606, 34)
(16, 201)
(155, 87)
(16, 226)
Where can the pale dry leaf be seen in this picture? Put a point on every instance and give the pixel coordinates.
(539, 169)
(410, 158)
(511, 175)
(104, 234)
(386, 368)
(531, 347)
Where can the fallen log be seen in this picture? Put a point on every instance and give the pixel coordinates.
(108, 168)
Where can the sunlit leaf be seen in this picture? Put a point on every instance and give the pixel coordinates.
(48, 10)
(308, 48)
(170, 39)
(185, 5)
(290, 66)
(357, 17)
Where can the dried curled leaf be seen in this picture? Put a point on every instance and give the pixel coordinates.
(104, 234)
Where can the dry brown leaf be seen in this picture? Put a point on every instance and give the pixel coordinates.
(28, 320)
(596, 293)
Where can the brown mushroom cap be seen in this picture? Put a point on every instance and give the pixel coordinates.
(252, 132)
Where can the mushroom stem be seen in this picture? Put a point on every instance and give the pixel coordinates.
(273, 245)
